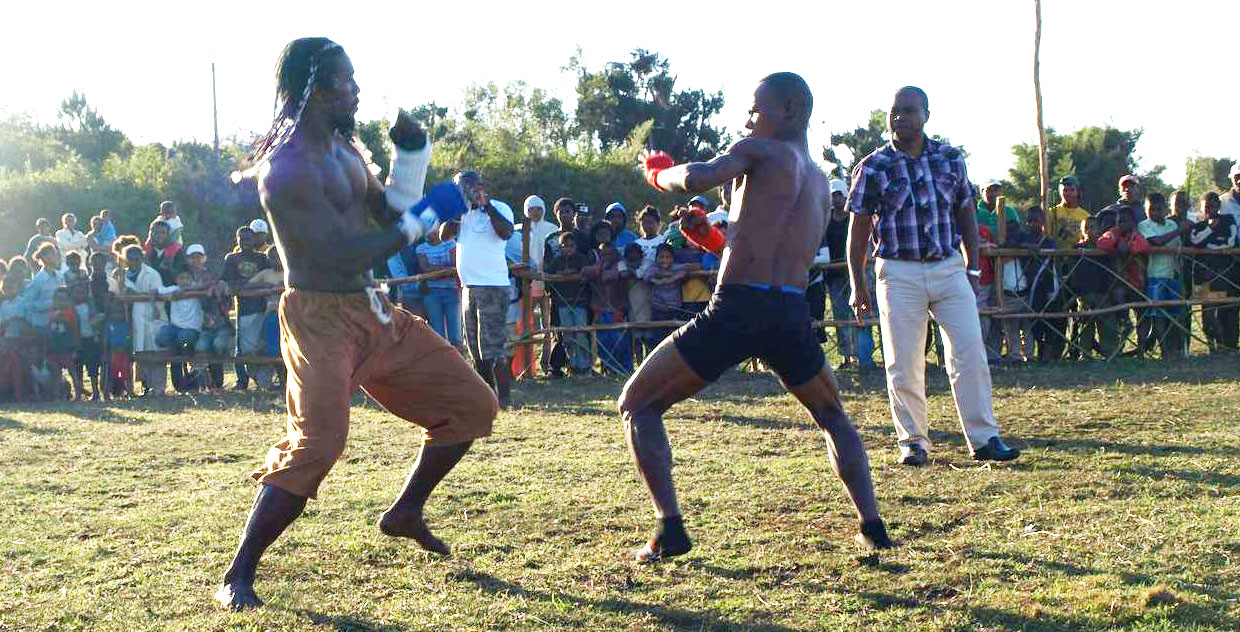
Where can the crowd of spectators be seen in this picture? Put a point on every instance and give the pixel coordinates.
(65, 322)
(76, 307)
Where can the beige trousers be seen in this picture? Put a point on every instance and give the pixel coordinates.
(908, 293)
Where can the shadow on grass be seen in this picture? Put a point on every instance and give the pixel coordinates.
(1094, 445)
(1086, 376)
(345, 623)
(7, 423)
(676, 618)
(1203, 477)
(1185, 614)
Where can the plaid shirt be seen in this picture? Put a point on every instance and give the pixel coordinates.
(915, 200)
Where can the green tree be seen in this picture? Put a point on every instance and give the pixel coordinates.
(1098, 156)
(86, 132)
(27, 146)
(860, 142)
(613, 101)
(1205, 173)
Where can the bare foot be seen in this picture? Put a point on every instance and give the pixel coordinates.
(237, 596)
(411, 525)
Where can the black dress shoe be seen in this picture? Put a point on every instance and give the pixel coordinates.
(915, 456)
(995, 450)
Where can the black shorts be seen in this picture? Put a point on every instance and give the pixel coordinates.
(742, 322)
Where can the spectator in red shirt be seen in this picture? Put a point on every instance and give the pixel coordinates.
(1125, 242)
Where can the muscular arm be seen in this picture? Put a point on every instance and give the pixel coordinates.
(697, 177)
(309, 228)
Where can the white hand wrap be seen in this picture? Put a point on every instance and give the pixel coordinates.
(407, 176)
(417, 225)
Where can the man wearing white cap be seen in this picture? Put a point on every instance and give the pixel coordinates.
(263, 234)
(1229, 202)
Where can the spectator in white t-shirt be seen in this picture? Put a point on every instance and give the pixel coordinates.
(482, 235)
(649, 222)
(69, 238)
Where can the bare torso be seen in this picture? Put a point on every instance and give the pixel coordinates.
(317, 202)
(778, 214)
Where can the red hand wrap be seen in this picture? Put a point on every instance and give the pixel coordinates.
(655, 162)
(703, 235)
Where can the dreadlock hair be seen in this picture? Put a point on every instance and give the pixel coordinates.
(296, 75)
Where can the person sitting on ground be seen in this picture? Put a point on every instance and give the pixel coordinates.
(618, 217)
(609, 302)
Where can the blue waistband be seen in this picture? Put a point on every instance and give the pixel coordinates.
(786, 289)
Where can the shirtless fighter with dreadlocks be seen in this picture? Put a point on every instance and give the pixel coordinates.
(338, 330)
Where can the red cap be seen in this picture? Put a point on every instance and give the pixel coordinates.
(1129, 178)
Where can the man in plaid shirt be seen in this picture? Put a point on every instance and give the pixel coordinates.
(913, 197)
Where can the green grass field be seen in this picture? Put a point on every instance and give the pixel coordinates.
(1123, 514)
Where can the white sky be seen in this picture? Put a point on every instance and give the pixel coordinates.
(1160, 66)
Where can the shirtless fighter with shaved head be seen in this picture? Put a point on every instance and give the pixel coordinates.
(780, 201)
(337, 329)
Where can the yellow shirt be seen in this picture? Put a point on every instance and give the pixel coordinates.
(1065, 223)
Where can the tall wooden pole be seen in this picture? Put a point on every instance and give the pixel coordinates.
(1043, 176)
(215, 113)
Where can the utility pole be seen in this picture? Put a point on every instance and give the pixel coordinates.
(215, 113)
